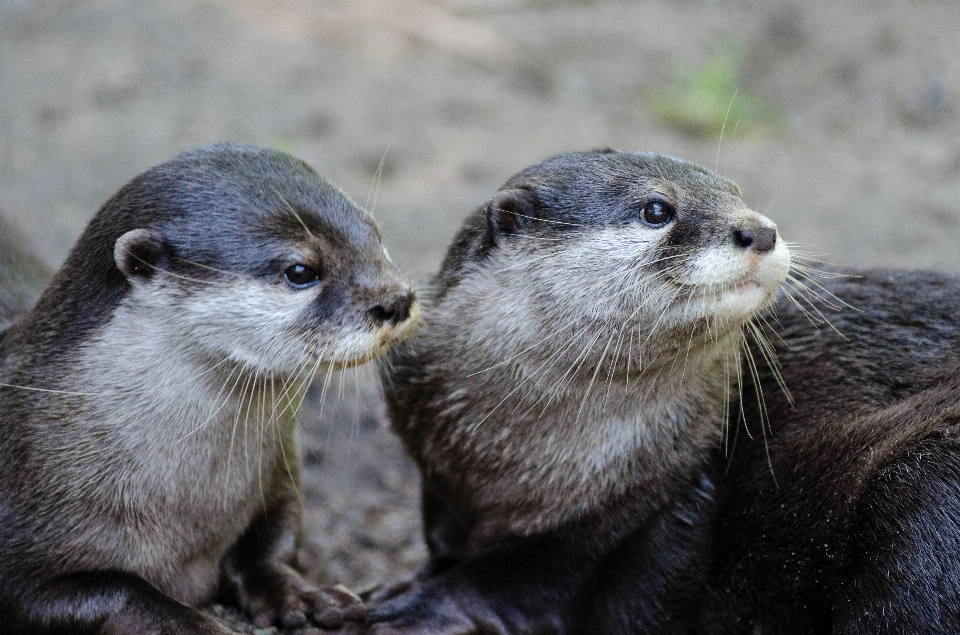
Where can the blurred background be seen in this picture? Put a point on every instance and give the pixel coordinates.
(842, 125)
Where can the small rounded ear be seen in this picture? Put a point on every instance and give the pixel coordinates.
(140, 253)
(509, 212)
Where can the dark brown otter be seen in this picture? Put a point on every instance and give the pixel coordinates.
(147, 401)
(839, 513)
(566, 393)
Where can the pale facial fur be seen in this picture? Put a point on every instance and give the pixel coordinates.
(261, 326)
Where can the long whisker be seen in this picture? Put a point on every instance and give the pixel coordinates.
(375, 183)
(770, 356)
(544, 220)
(51, 390)
(722, 128)
(217, 400)
(762, 404)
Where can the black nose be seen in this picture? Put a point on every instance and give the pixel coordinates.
(758, 238)
(396, 311)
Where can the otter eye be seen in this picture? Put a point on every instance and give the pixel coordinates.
(300, 276)
(657, 214)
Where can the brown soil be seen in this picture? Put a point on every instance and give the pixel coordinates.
(447, 98)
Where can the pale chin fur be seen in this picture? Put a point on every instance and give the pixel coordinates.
(360, 347)
(723, 284)
(731, 285)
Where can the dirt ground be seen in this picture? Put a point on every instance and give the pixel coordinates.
(844, 129)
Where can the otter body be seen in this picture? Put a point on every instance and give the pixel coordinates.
(848, 521)
(567, 403)
(147, 402)
(564, 398)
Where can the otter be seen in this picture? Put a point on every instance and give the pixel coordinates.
(148, 463)
(603, 450)
(569, 386)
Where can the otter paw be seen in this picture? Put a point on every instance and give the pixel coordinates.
(420, 612)
(291, 602)
(341, 604)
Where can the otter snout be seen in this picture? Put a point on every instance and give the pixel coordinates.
(761, 238)
(394, 311)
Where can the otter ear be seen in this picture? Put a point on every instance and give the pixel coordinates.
(140, 253)
(509, 212)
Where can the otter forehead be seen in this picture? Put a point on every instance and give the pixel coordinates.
(604, 187)
(209, 202)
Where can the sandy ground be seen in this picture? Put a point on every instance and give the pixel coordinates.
(857, 155)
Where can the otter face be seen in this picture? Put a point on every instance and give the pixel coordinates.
(636, 243)
(274, 269)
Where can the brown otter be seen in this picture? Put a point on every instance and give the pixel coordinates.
(566, 399)
(147, 401)
(571, 382)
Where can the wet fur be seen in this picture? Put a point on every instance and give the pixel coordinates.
(147, 453)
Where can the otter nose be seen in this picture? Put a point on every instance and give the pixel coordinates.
(757, 237)
(394, 312)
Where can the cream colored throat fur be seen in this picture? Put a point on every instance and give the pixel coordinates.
(564, 436)
(175, 456)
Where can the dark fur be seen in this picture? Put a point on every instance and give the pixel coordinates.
(206, 215)
(859, 531)
(844, 518)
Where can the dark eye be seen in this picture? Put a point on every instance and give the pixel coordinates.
(300, 276)
(657, 214)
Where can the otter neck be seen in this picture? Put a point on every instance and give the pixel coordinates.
(575, 439)
(170, 406)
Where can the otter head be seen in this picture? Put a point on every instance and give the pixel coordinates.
(652, 255)
(249, 256)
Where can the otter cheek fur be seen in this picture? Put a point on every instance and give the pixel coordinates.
(569, 386)
(147, 454)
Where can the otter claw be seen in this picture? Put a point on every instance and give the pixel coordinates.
(335, 605)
